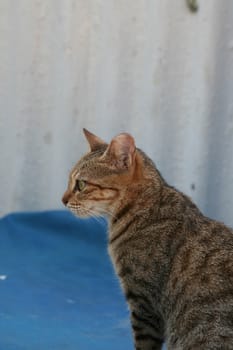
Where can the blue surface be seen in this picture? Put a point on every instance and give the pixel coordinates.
(59, 291)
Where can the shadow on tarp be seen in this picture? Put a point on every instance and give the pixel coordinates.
(58, 290)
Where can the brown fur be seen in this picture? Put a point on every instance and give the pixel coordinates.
(175, 265)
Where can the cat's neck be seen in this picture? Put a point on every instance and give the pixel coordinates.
(140, 202)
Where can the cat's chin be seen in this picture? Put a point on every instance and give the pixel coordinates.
(79, 212)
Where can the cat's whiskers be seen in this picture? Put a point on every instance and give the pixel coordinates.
(100, 212)
(108, 213)
(93, 214)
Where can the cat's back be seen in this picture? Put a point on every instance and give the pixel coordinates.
(198, 300)
(187, 260)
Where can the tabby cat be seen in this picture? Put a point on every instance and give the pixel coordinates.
(175, 265)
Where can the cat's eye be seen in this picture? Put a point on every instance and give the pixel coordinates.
(79, 185)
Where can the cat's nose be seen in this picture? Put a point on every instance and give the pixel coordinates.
(65, 198)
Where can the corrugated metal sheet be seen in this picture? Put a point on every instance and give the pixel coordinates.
(149, 67)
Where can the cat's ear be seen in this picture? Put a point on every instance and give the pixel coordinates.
(121, 151)
(94, 141)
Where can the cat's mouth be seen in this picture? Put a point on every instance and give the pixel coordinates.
(76, 210)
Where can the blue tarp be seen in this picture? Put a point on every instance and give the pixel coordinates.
(58, 290)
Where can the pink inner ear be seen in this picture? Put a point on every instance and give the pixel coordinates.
(122, 149)
(124, 144)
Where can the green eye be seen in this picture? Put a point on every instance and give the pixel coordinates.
(80, 185)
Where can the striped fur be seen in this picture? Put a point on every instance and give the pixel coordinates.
(175, 265)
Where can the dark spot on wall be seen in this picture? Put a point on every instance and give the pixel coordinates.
(48, 138)
(193, 186)
(193, 5)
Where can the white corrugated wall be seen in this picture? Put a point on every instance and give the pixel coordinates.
(149, 67)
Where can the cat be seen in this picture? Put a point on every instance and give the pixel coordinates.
(175, 265)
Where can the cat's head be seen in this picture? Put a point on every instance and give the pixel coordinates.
(99, 180)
